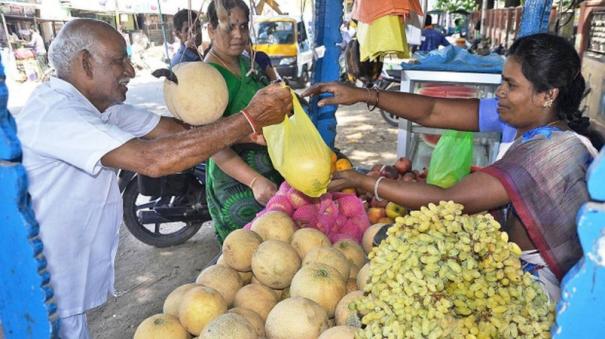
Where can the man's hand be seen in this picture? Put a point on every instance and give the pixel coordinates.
(269, 105)
(342, 94)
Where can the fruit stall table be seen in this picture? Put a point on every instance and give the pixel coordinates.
(409, 141)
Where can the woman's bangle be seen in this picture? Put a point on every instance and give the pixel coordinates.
(378, 198)
(252, 182)
(370, 98)
(250, 121)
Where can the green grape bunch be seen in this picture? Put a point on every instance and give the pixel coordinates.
(444, 274)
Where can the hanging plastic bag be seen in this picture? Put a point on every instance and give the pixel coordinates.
(451, 159)
(299, 153)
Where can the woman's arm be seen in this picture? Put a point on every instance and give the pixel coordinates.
(233, 165)
(458, 114)
(477, 191)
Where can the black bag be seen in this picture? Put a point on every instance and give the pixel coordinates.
(367, 71)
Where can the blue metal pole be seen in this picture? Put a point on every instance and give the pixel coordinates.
(27, 309)
(327, 18)
(535, 17)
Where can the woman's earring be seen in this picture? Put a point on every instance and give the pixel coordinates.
(548, 104)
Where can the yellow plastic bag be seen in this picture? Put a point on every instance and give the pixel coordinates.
(299, 153)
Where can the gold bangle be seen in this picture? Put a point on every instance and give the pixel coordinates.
(252, 181)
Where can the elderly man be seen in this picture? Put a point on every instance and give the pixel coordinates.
(75, 133)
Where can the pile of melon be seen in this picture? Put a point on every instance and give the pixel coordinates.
(272, 281)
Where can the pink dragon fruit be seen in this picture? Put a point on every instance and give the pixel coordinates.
(328, 208)
(306, 216)
(325, 223)
(283, 188)
(280, 203)
(298, 199)
(350, 206)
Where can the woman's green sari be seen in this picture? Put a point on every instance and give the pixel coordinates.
(231, 203)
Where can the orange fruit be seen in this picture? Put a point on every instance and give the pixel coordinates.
(343, 164)
(349, 190)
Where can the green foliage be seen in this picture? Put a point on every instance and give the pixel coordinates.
(452, 5)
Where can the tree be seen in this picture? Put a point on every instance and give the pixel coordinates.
(452, 5)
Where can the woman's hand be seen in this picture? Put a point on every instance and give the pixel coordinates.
(258, 139)
(263, 189)
(344, 179)
(342, 93)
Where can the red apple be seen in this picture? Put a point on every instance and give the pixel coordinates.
(389, 172)
(409, 177)
(376, 203)
(403, 165)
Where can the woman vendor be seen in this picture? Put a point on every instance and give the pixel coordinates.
(541, 177)
(240, 179)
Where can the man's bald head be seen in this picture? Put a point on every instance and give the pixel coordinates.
(78, 35)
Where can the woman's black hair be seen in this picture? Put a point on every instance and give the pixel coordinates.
(549, 61)
(228, 5)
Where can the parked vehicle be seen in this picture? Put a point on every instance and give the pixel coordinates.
(390, 80)
(164, 211)
(287, 42)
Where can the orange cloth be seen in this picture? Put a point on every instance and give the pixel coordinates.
(367, 11)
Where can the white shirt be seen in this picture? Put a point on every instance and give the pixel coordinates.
(75, 198)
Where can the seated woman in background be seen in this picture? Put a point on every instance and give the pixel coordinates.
(241, 179)
(542, 175)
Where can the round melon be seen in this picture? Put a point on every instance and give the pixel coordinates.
(368, 237)
(296, 318)
(161, 326)
(363, 276)
(352, 285)
(354, 271)
(256, 297)
(224, 279)
(238, 248)
(200, 305)
(343, 314)
(253, 318)
(173, 300)
(331, 257)
(229, 325)
(274, 225)
(200, 97)
(320, 283)
(306, 239)
(352, 251)
(274, 264)
(339, 332)
(245, 277)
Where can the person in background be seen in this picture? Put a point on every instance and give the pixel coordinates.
(37, 44)
(431, 39)
(190, 40)
(263, 62)
(240, 179)
(540, 178)
(76, 132)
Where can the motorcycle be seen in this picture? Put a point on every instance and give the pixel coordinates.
(164, 211)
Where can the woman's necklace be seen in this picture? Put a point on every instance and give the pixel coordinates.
(224, 64)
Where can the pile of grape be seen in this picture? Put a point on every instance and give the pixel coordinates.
(444, 274)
